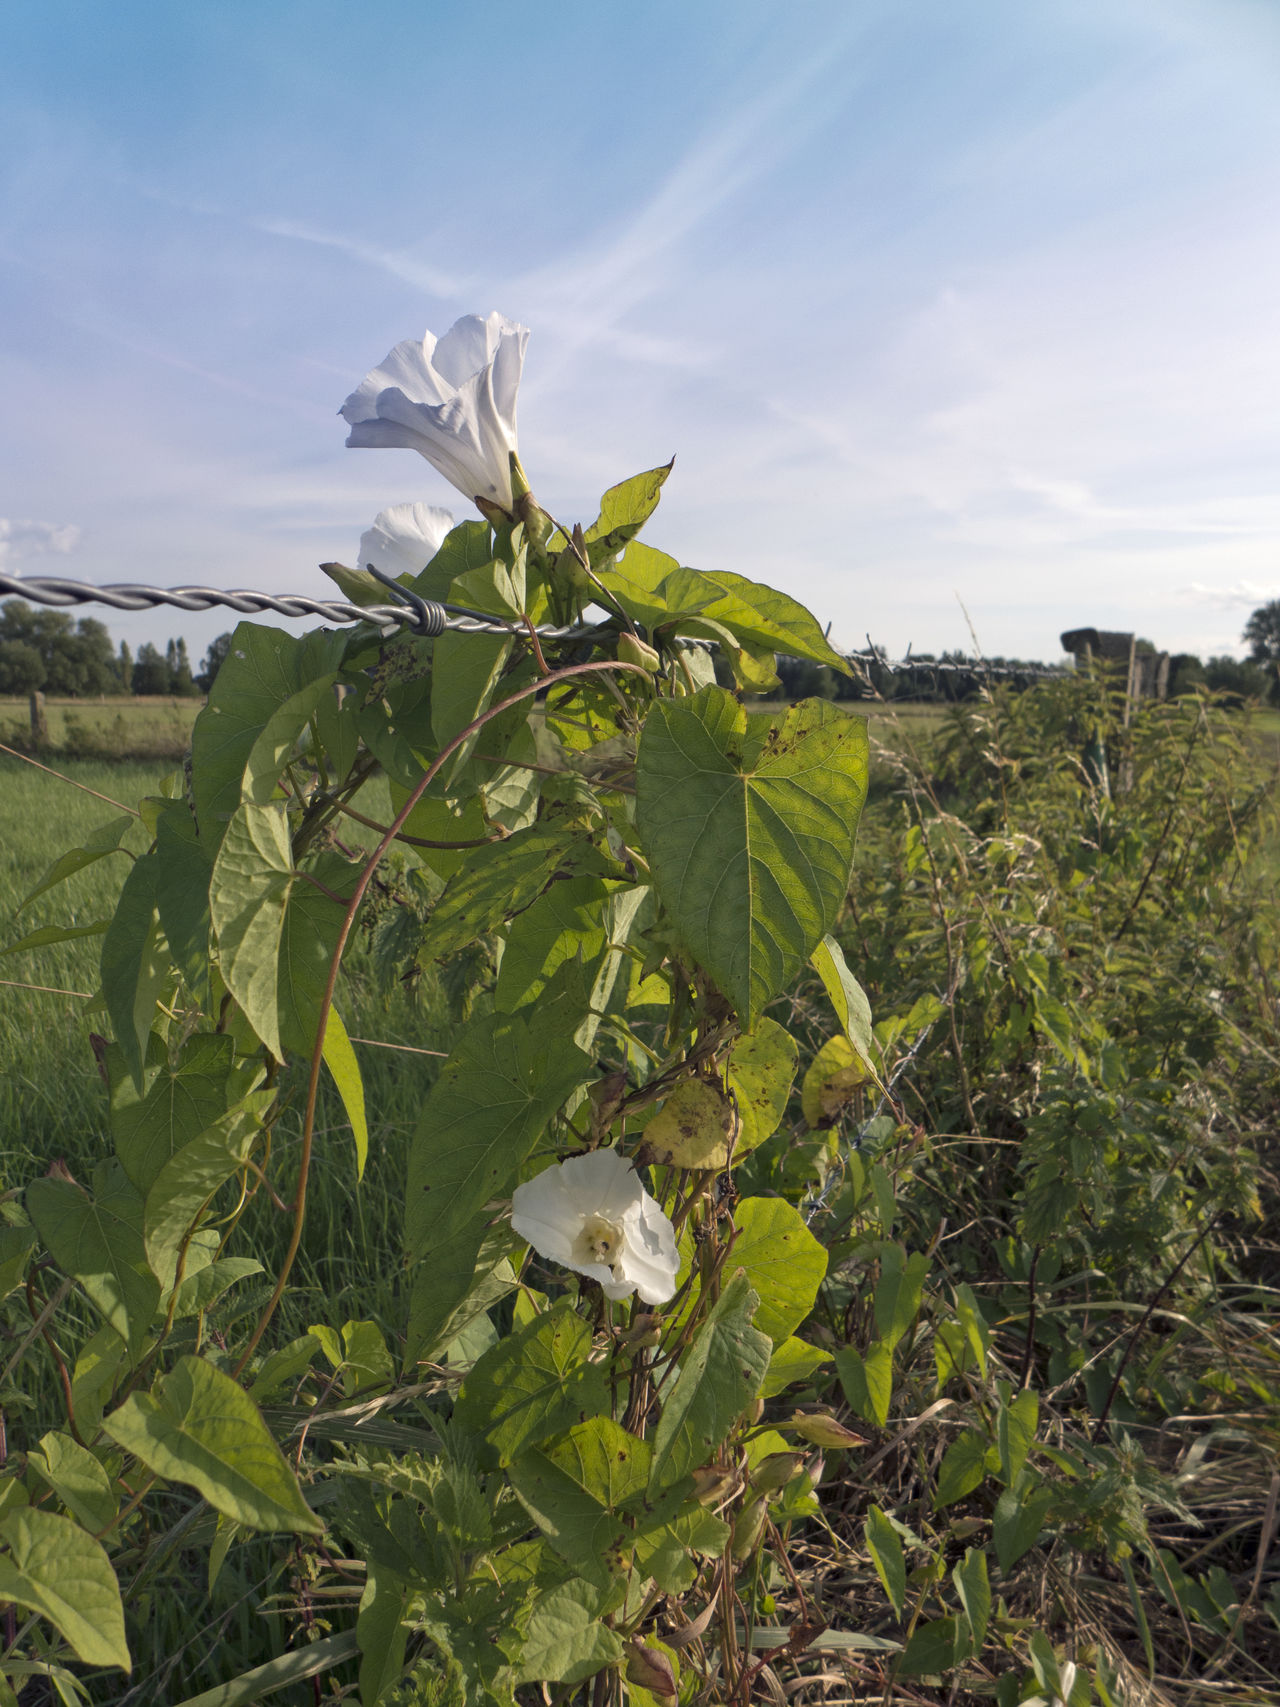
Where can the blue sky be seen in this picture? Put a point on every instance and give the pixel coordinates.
(938, 302)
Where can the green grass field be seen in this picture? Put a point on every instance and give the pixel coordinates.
(150, 728)
(52, 1099)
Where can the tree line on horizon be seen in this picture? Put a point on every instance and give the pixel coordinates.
(1254, 677)
(48, 651)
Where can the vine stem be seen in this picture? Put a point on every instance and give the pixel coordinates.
(344, 931)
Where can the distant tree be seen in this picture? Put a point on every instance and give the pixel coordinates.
(183, 682)
(78, 656)
(150, 672)
(21, 667)
(124, 668)
(799, 678)
(1238, 677)
(213, 662)
(1186, 673)
(1262, 633)
(89, 661)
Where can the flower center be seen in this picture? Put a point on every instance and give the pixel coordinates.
(598, 1241)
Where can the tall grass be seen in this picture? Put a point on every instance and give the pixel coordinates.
(53, 1103)
(149, 728)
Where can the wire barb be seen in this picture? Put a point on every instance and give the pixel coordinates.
(427, 616)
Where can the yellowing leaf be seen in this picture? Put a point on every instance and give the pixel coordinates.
(833, 1076)
(762, 1066)
(340, 1059)
(694, 1128)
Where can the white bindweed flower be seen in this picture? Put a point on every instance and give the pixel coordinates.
(592, 1214)
(404, 539)
(1061, 1696)
(452, 399)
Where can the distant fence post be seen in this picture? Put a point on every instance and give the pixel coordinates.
(39, 722)
(1147, 673)
(1146, 677)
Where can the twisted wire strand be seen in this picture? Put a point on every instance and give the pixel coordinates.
(426, 616)
(874, 656)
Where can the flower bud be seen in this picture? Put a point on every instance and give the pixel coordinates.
(633, 650)
(774, 1472)
(819, 1428)
(747, 1529)
(651, 1669)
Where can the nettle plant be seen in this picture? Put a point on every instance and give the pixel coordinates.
(654, 864)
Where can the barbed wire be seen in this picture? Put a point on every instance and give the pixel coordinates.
(427, 616)
(874, 657)
(430, 617)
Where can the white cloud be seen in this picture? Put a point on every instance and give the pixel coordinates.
(23, 539)
(1242, 595)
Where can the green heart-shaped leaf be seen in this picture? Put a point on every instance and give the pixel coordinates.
(748, 825)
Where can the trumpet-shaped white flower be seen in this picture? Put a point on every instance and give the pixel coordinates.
(592, 1214)
(1061, 1696)
(452, 399)
(404, 539)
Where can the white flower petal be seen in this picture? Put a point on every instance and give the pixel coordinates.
(653, 1279)
(451, 399)
(547, 1237)
(543, 1213)
(404, 538)
(607, 1179)
(467, 348)
(564, 1205)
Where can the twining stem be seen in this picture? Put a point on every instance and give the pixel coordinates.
(344, 931)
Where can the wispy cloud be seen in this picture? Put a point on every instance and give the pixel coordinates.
(587, 296)
(401, 264)
(24, 539)
(1240, 595)
(398, 262)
